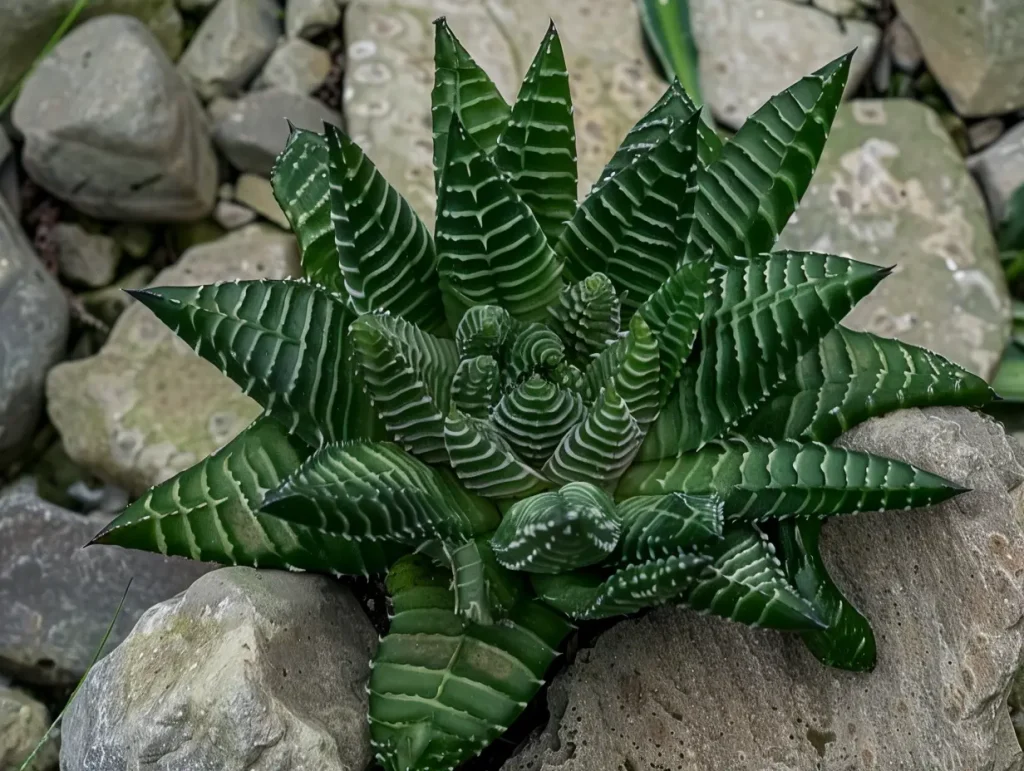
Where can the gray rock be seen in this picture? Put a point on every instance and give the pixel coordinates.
(231, 216)
(111, 128)
(23, 723)
(983, 133)
(33, 332)
(893, 189)
(146, 407)
(257, 194)
(26, 26)
(230, 46)
(57, 599)
(9, 175)
(999, 170)
(246, 671)
(742, 63)
(254, 129)
(297, 66)
(902, 46)
(974, 48)
(1016, 704)
(943, 590)
(88, 258)
(308, 18)
(836, 7)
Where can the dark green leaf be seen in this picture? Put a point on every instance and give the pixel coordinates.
(534, 416)
(656, 526)
(667, 23)
(484, 461)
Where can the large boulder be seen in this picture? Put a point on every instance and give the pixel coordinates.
(23, 723)
(893, 189)
(26, 26)
(245, 671)
(389, 69)
(943, 588)
(974, 48)
(33, 332)
(751, 50)
(111, 127)
(146, 406)
(57, 598)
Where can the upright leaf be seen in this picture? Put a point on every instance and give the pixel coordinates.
(667, 23)
(286, 343)
(535, 415)
(491, 250)
(300, 183)
(385, 252)
(484, 461)
(537, 149)
(485, 592)
(483, 331)
(476, 386)
(588, 316)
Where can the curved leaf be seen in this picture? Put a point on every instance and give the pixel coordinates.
(485, 592)
(483, 331)
(657, 526)
(476, 386)
(534, 416)
(485, 463)
(588, 315)
(535, 350)
(667, 23)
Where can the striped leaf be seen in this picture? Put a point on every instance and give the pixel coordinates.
(657, 526)
(443, 688)
(490, 248)
(751, 190)
(485, 463)
(385, 252)
(463, 90)
(377, 492)
(763, 315)
(286, 343)
(408, 374)
(761, 479)
(475, 387)
(634, 228)
(847, 642)
(588, 315)
(485, 592)
(536, 350)
(678, 424)
(300, 184)
(745, 583)
(483, 330)
(852, 376)
(534, 417)
(600, 448)
(638, 372)
(558, 531)
(210, 512)
(537, 148)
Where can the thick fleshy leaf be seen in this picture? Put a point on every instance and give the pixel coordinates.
(847, 642)
(485, 463)
(751, 190)
(443, 688)
(852, 376)
(534, 416)
(632, 365)
(483, 330)
(669, 32)
(286, 343)
(476, 386)
(635, 226)
(558, 531)
(588, 316)
(375, 491)
(490, 248)
(462, 89)
(301, 187)
(600, 448)
(485, 592)
(745, 583)
(536, 350)
(761, 479)
(385, 252)
(408, 374)
(210, 512)
(537, 149)
(656, 526)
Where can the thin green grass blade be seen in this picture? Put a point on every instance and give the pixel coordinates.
(667, 23)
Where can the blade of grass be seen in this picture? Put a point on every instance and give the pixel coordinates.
(667, 23)
(96, 657)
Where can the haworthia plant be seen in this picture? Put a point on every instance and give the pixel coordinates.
(548, 412)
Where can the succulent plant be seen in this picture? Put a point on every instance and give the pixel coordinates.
(545, 413)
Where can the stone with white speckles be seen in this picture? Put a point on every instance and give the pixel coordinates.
(146, 407)
(892, 189)
(23, 723)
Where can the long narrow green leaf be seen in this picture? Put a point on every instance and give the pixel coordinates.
(284, 342)
(385, 252)
(667, 23)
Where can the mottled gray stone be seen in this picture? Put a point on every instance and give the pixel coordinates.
(231, 216)
(974, 48)
(57, 599)
(1016, 703)
(254, 129)
(308, 18)
(245, 671)
(230, 46)
(389, 72)
(943, 588)
(297, 66)
(146, 406)
(257, 193)
(33, 332)
(836, 7)
(983, 133)
(111, 128)
(88, 258)
(902, 46)
(892, 189)
(26, 26)
(752, 49)
(23, 723)
(9, 175)
(999, 170)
